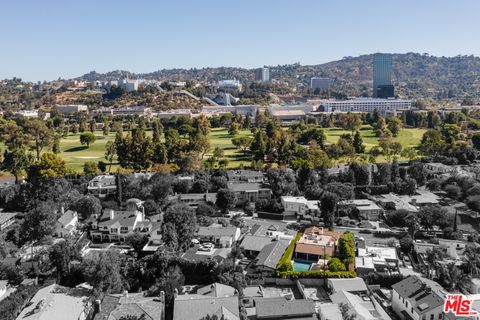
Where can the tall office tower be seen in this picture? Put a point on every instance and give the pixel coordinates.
(262, 74)
(382, 73)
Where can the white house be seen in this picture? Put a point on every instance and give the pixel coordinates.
(102, 185)
(66, 224)
(367, 209)
(220, 236)
(116, 225)
(300, 207)
(418, 298)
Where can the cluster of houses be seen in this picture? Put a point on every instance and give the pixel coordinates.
(264, 243)
(370, 209)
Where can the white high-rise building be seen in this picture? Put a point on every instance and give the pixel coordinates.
(262, 74)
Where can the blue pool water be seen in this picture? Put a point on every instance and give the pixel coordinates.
(299, 265)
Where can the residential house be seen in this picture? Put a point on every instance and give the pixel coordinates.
(366, 209)
(119, 306)
(353, 285)
(377, 259)
(422, 197)
(418, 298)
(102, 186)
(252, 245)
(280, 308)
(363, 307)
(214, 300)
(437, 169)
(300, 207)
(392, 201)
(194, 199)
(316, 243)
(243, 176)
(267, 260)
(6, 219)
(217, 290)
(55, 302)
(66, 225)
(116, 225)
(453, 248)
(330, 311)
(220, 236)
(277, 230)
(249, 192)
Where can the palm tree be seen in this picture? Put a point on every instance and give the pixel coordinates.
(452, 278)
(471, 258)
(236, 253)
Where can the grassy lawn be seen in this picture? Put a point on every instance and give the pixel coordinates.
(407, 137)
(76, 155)
(219, 137)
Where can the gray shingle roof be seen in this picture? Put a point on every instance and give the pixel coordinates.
(271, 254)
(217, 290)
(195, 307)
(420, 292)
(222, 231)
(255, 243)
(280, 307)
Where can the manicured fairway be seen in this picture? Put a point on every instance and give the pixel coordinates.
(76, 155)
(407, 137)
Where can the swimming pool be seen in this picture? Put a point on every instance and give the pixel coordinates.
(299, 265)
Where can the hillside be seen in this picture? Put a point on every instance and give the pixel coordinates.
(415, 75)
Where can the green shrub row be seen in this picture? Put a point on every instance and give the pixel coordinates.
(285, 263)
(316, 274)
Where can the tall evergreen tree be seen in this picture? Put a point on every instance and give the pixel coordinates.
(358, 143)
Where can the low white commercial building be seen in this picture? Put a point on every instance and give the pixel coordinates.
(364, 105)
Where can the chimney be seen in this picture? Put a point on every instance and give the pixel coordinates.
(62, 209)
(111, 213)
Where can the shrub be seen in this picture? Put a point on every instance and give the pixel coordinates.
(12, 305)
(335, 265)
(285, 263)
(346, 248)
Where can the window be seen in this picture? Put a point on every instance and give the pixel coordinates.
(440, 316)
(411, 310)
(432, 316)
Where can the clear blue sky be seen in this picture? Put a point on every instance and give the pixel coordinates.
(44, 40)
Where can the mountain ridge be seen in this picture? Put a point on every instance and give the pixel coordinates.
(414, 75)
